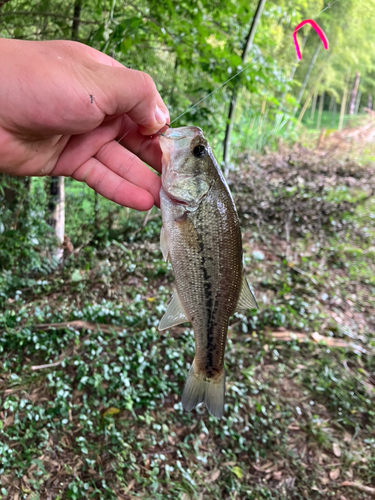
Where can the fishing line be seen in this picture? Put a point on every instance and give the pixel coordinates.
(157, 133)
(246, 67)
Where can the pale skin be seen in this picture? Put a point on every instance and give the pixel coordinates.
(64, 106)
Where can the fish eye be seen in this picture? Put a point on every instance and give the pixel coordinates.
(199, 151)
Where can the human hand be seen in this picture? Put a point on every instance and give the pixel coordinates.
(62, 107)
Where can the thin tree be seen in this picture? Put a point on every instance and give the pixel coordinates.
(353, 96)
(313, 106)
(233, 102)
(331, 103)
(369, 101)
(321, 103)
(313, 88)
(334, 110)
(343, 106)
(76, 19)
(307, 76)
(358, 102)
(292, 73)
(56, 206)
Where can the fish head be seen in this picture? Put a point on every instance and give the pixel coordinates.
(187, 164)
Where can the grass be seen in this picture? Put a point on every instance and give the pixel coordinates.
(106, 422)
(329, 120)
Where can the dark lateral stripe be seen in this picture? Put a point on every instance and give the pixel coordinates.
(209, 304)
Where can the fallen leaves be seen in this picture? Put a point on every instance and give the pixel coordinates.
(334, 474)
(360, 487)
(287, 336)
(237, 471)
(213, 476)
(111, 411)
(277, 475)
(336, 449)
(130, 486)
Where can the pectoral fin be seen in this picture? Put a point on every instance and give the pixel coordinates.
(174, 315)
(247, 299)
(164, 244)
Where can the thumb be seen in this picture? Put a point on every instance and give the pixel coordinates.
(127, 91)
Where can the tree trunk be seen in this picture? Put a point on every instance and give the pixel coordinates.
(96, 212)
(233, 102)
(56, 204)
(321, 103)
(76, 19)
(353, 96)
(369, 101)
(292, 73)
(334, 114)
(313, 89)
(331, 103)
(56, 208)
(343, 107)
(358, 102)
(307, 76)
(313, 106)
(295, 65)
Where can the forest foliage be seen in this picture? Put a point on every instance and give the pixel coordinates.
(192, 47)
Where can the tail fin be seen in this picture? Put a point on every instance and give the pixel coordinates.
(198, 390)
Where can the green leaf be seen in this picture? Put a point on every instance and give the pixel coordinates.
(76, 276)
(237, 471)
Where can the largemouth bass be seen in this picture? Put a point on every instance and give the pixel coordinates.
(201, 237)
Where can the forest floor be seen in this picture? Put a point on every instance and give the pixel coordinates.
(105, 421)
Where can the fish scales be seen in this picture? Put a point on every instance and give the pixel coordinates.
(201, 237)
(206, 260)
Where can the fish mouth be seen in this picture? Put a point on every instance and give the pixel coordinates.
(178, 138)
(182, 133)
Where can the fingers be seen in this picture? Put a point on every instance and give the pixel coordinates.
(83, 146)
(128, 166)
(106, 60)
(142, 91)
(124, 164)
(124, 90)
(110, 185)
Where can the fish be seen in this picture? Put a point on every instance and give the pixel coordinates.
(201, 237)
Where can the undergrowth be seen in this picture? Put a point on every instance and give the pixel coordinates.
(104, 420)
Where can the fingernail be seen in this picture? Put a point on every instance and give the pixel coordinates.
(160, 116)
